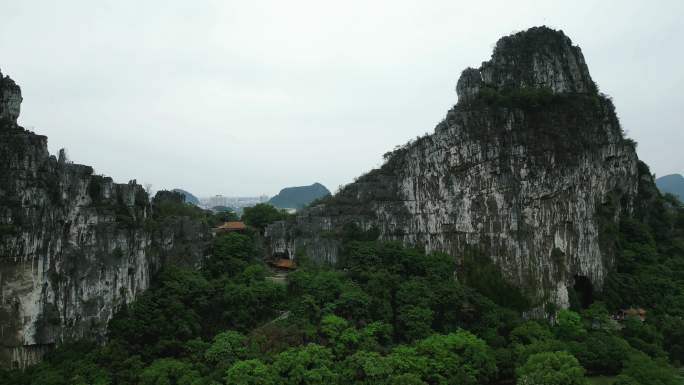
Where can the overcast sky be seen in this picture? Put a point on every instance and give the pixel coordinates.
(244, 98)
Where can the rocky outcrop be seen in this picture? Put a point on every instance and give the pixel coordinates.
(10, 100)
(538, 58)
(73, 245)
(527, 168)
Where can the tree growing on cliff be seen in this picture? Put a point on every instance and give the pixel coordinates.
(262, 215)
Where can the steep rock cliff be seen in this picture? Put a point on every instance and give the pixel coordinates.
(527, 168)
(73, 245)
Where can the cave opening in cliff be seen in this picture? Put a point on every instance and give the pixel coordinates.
(584, 290)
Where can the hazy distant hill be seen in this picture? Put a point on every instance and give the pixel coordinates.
(218, 209)
(673, 184)
(298, 197)
(189, 198)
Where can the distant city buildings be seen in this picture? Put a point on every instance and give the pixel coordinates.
(236, 203)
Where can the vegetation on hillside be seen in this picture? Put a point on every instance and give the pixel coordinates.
(385, 315)
(187, 196)
(262, 214)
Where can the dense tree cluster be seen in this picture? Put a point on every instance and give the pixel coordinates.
(261, 215)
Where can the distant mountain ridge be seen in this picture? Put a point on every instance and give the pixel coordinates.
(298, 197)
(673, 184)
(189, 198)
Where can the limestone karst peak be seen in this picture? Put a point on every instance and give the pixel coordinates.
(523, 185)
(10, 100)
(539, 57)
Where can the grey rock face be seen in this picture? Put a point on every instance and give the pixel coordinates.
(523, 184)
(469, 84)
(10, 100)
(536, 58)
(73, 245)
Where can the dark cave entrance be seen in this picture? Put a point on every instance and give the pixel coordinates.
(584, 291)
